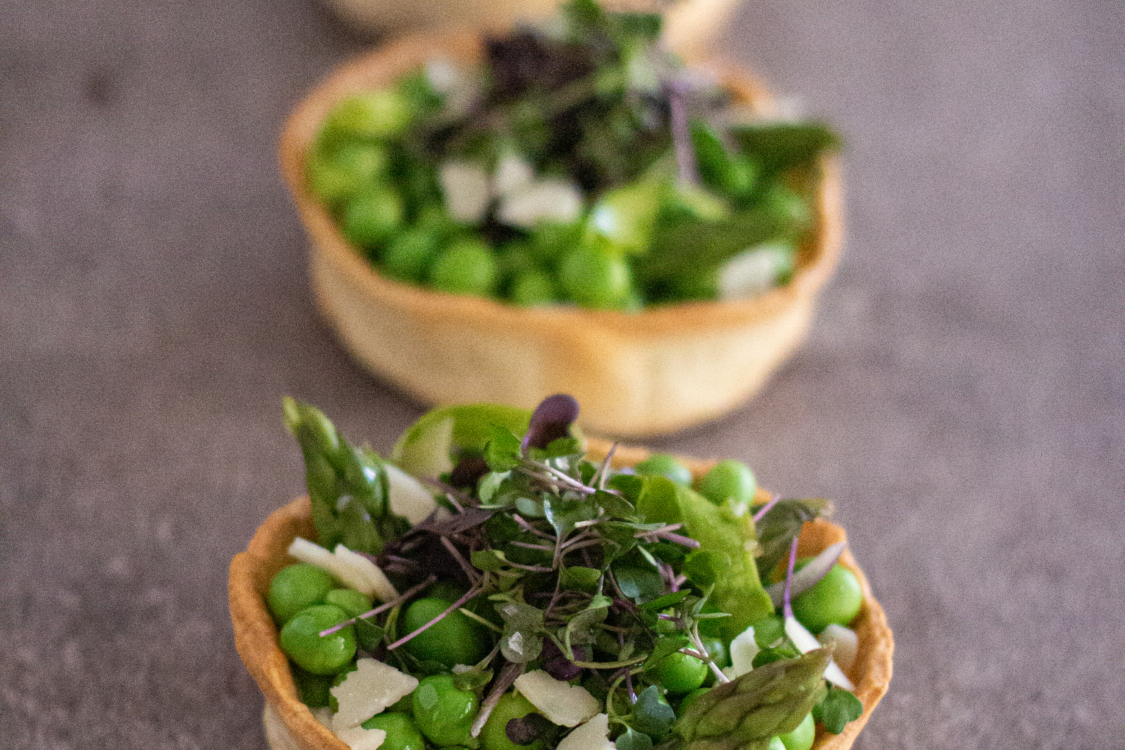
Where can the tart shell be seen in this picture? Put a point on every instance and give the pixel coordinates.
(290, 725)
(640, 374)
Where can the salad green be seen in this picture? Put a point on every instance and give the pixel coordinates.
(578, 163)
(548, 601)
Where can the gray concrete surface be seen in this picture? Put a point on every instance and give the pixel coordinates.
(961, 396)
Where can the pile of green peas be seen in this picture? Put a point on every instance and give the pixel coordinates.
(305, 600)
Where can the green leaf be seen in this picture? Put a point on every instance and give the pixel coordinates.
(490, 485)
(737, 591)
(427, 447)
(580, 578)
(714, 242)
(489, 560)
(652, 714)
(474, 679)
(639, 583)
(703, 567)
(633, 740)
(783, 145)
(667, 600)
(837, 708)
(502, 451)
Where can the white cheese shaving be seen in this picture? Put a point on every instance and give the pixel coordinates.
(843, 642)
(409, 497)
(743, 649)
(806, 642)
(593, 735)
(752, 271)
(353, 570)
(547, 200)
(512, 173)
(562, 703)
(358, 738)
(467, 190)
(367, 691)
(377, 581)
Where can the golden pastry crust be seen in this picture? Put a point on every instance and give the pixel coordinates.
(635, 374)
(292, 724)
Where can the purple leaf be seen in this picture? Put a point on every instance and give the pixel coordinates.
(550, 421)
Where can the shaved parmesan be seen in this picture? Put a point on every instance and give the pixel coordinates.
(843, 642)
(358, 738)
(562, 703)
(548, 200)
(467, 191)
(351, 568)
(367, 691)
(593, 735)
(806, 642)
(512, 173)
(376, 579)
(408, 496)
(743, 649)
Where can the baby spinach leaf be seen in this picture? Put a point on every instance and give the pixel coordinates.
(837, 708)
(652, 714)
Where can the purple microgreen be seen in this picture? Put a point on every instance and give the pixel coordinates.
(666, 532)
(470, 572)
(603, 469)
(550, 421)
(474, 616)
(382, 607)
(529, 545)
(787, 606)
(766, 508)
(526, 526)
(808, 576)
(468, 472)
(681, 135)
(468, 595)
(504, 680)
(697, 642)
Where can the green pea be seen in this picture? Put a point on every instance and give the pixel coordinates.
(802, 737)
(296, 587)
(494, 734)
(402, 732)
(728, 479)
(836, 598)
(664, 465)
(455, 639)
(371, 217)
(409, 253)
(775, 744)
(596, 278)
(467, 266)
(444, 713)
(301, 640)
(679, 673)
(349, 600)
(533, 288)
(374, 114)
(336, 173)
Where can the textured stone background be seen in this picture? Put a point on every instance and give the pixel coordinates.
(961, 396)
